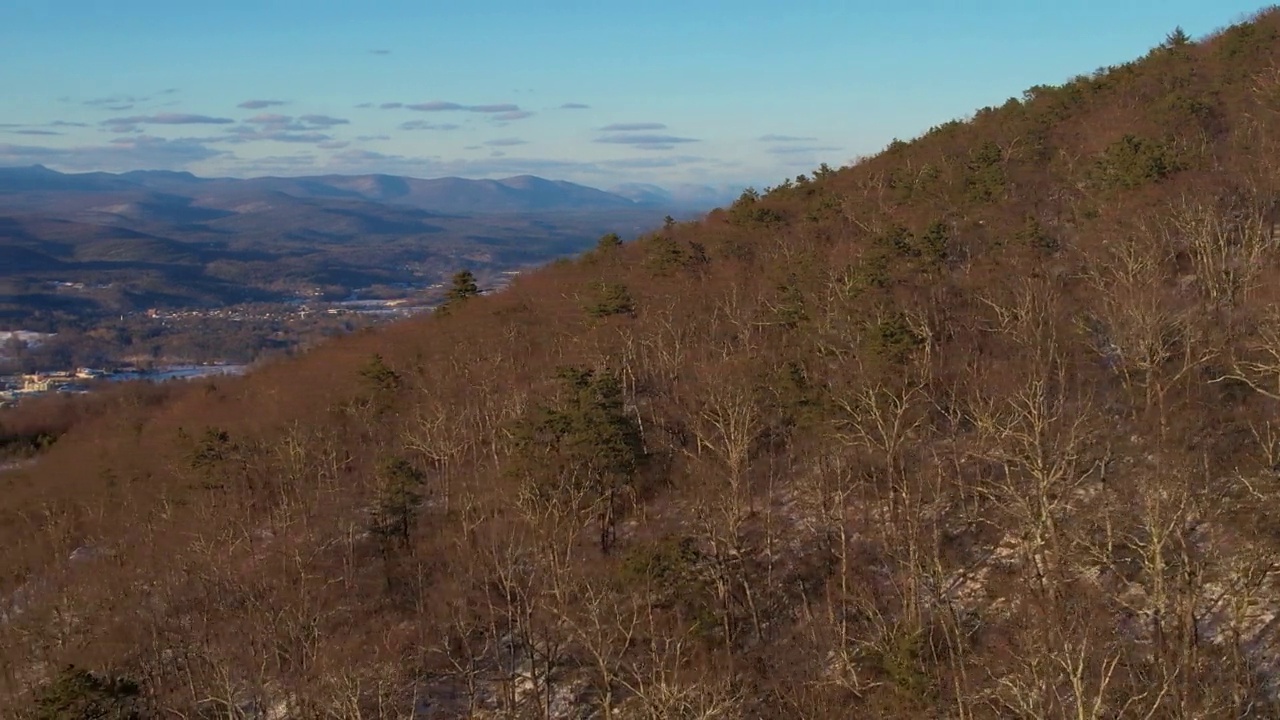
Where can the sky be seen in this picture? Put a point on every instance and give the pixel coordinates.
(682, 93)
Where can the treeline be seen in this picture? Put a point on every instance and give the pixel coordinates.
(135, 339)
(982, 427)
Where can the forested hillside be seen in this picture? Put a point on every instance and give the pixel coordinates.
(984, 426)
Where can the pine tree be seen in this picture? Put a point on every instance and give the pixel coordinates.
(585, 445)
(464, 288)
(398, 501)
(609, 243)
(609, 298)
(1178, 38)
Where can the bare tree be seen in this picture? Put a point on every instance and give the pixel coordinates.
(1040, 438)
(1229, 246)
(1259, 368)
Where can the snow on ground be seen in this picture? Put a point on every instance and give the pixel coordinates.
(32, 339)
(15, 465)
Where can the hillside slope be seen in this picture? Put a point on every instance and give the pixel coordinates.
(981, 427)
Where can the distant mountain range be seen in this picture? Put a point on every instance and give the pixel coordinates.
(687, 196)
(171, 238)
(450, 195)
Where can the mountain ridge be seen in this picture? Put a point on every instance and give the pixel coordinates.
(516, 194)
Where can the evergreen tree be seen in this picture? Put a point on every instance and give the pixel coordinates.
(464, 286)
(609, 243)
(932, 245)
(382, 385)
(584, 445)
(379, 377)
(1178, 38)
(398, 500)
(609, 298)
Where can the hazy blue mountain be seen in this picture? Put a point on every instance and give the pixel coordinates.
(158, 237)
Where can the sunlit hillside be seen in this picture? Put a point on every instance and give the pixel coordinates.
(984, 426)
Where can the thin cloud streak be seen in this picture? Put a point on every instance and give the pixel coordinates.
(502, 108)
(114, 101)
(269, 119)
(501, 111)
(642, 140)
(784, 138)
(260, 104)
(632, 127)
(169, 119)
(433, 106)
(323, 120)
(425, 125)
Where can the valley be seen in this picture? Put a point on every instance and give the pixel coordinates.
(168, 267)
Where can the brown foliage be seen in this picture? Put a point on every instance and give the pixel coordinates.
(980, 427)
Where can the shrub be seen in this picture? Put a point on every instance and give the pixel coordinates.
(77, 694)
(609, 298)
(1134, 161)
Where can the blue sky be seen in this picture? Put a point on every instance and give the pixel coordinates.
(699, 92)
